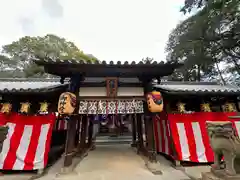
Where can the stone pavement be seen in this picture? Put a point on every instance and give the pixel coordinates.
(116, 162)
(195, 172)
(119, 162)
(16, 177)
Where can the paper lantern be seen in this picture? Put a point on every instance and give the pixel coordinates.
(205, 107)
(230, 107)
(43, 107)
(25, 107)
(181, 107)
(155, 102)
(67, 103)
(6, 108)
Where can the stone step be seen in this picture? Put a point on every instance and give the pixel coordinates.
(113, 137)
(112, 142)
(105, 140)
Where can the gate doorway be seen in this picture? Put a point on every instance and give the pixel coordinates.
(118, 121)
(115, 125)
(115, 129)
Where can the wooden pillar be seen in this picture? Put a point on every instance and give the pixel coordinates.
(151, 164)
(77, 139)
(90, 132)
(150, 142)
(145, 130)
(119, 120)
(134, 132)
(70, 141)
(83, 134)
(139, 131)
(74, 87)
(148, 121)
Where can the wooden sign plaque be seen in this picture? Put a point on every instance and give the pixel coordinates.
(111, 85)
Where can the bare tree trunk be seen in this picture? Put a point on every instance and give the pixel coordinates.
(198, 73)
(236, 65)
(220, 73)
(186, 76)
(234, 57)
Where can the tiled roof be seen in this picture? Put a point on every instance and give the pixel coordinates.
(198, 87)
(80, 61)
(15, 85)
(8, 85)
(65, 68)
(29, 85)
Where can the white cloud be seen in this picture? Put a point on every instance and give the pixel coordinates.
(123, 30)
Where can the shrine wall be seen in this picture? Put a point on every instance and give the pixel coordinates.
(101, 91)
(130, 91)
(92, 91)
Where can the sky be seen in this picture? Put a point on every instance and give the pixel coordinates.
(117, 30)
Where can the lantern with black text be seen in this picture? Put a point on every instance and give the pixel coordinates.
(67, 103)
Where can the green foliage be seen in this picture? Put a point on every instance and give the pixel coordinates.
(191, 4)
(19, 54)
(208, 37)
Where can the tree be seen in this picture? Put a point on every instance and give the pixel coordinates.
(22, 52)
(194, 53)
(209, 37)
(191, 4)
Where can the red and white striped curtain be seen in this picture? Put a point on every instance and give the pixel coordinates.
(187, 135)
(27, 144)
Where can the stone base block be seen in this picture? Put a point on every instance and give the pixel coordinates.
(40, 173)
(211, 176)
(153, 167)
(66, 170)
